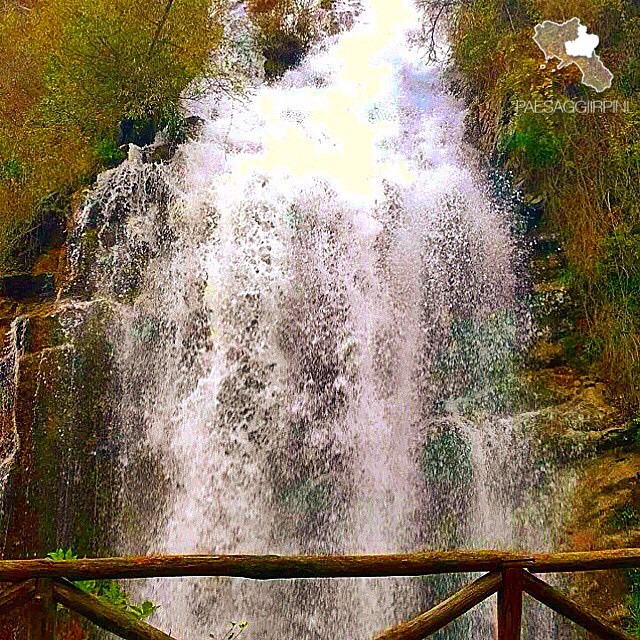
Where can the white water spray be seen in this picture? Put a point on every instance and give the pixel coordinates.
(311, 364)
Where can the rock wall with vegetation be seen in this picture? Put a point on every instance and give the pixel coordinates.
(83, 78)
(58, 395)
(580, 178)
(580, 170)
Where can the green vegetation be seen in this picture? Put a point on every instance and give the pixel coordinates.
(633, 602)
(107, 590)
(286, 29)
(625, 518)
(79, 78)
(110, 592)
(235, 630)
(585, 168)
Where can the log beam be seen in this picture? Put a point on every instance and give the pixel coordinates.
(446, 612)
(555, 600)
(585, 561)
(105, 616)
(293, 567)
(16, 595)
(263, 567)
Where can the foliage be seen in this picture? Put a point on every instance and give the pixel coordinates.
(108, 153)
(445, 460)
(71, 71)
(624, 518)
(287, 28)
(235, 631)
(633, 602)
(533, 142)
(584, 167)
(108, 590)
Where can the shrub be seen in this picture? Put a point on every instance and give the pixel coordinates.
(533, 142)
(287, 28)
(107, 590)
(72, 70)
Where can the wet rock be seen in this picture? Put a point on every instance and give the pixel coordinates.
(122, 228)
(284, 52)
(580, 421)
(161, 152)
(138, 132)
(306, 496)
(52, 213)
(153, 144)
(166, 142)
(533, 212)
(27, 287)
(547, 354)
(57, 408)
(192, 127)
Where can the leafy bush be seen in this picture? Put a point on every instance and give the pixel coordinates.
(108, 152)
(71, 70)
(584, 167)
(287, 28)
(107, 590)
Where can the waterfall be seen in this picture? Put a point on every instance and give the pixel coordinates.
(319, 352)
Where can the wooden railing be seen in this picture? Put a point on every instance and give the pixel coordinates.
(39, 585)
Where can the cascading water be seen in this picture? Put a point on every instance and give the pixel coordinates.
(318, 356)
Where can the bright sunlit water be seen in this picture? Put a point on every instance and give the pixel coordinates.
(319, 356)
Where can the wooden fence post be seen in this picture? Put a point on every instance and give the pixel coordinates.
(510, 604)
(42, 613)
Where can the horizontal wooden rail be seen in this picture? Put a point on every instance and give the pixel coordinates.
(272, 567)
(262, 567)
(446, 612)
(585, 561)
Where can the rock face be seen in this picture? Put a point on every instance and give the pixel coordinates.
(60, 451)
(585, 431)
(57, 390)
(24, 286)
(606, 515)
(120, 229)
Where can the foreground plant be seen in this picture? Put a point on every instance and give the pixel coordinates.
(235, 631)
(108, 590)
